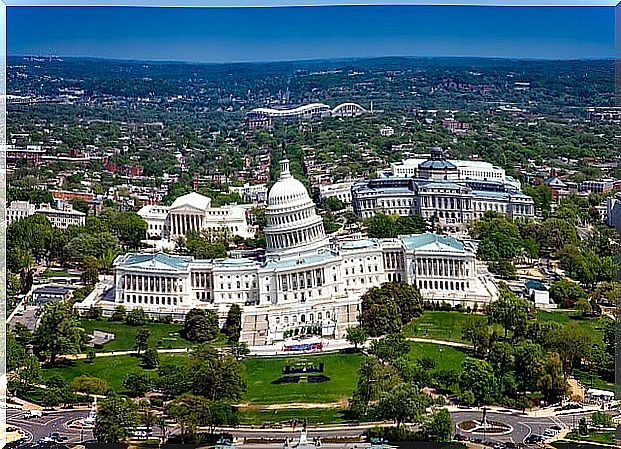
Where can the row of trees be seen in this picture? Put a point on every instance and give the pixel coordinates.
(92, 248)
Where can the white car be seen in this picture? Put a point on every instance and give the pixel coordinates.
(549, 433)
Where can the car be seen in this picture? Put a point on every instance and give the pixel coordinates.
(549, 433)
(533, 439)
(477, 440)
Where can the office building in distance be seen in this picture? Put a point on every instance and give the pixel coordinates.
(447, 192)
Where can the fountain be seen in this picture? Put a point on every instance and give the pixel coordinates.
(484, 426)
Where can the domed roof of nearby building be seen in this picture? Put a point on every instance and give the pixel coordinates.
(437, 161)
(287, 190)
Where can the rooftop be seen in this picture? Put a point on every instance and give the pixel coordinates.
(429, 241)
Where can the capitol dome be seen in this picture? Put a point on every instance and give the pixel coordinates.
(292, 223)
(287, 189)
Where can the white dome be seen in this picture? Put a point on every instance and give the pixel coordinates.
(292, 224)
(287, 190)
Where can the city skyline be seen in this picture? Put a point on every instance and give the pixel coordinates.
(223, 35)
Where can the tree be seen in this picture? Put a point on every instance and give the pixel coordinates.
(374, 378)
(137, 317)
(391, 226)
(239, 350)
(502, 358)
(58, 331)
(567, 293)
(385, 309)
(116, 416)
(503, 268)
(509, 311)
(332, 204)
(476, 331)
(119, 313)
(90, 270)
(601, 419)
(94, 313)
(90, 355)
(380, 226)
(583, 428)
(138, 383)
(131, 229)
(390, 347)
(552, 383)
(478, 376)
(356, 335)
(439, 428)
(150, 359)
(405, 403)
(142, 340)
(572, 343)
(607, 293)
(200, 325)
(584, 307)
(233, 324)
(190, 412)
(23, 370)
(89, 385)
(528, 365)
(215, 376)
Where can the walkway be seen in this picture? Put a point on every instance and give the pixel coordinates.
(276, 349)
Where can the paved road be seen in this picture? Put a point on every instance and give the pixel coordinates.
(522, 426)
(38, 428)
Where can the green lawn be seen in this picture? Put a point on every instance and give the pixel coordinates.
(342, 369)
(574, 445)
(593, 381)
(124, 335)
(113, 369)
(446, 357)
(594, 437)
(595, 326)
(312, 415)
(260, 372)
(437, 325)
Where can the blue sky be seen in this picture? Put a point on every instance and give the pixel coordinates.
(261, 34)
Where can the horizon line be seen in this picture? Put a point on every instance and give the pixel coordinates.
(305, 3)
(336, 59)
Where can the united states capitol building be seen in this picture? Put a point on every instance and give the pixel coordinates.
(304, 279)
(449, 192)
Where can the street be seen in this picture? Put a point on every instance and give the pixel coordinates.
(522, 426)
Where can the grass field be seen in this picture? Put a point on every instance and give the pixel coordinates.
(437, 325)
(593, 381)
(594, 437)
(595, 326)
(111, 369)
(342, 369)
(124, 335)
(440, 325)
(446, 357)
(312, 415)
